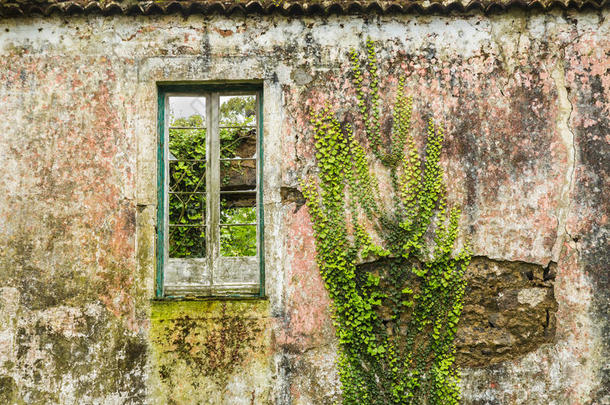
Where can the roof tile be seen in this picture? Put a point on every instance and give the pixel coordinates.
(10, 8)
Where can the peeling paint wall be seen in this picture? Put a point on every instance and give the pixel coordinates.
(524, 97)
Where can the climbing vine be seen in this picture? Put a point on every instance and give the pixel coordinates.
(397, 316)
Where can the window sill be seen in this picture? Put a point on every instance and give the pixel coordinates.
(189, 298)
(210, 308)
(215, 291)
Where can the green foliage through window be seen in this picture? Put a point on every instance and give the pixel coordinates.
(187, 198)
(187, 179)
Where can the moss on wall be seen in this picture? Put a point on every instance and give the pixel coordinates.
(203, 349)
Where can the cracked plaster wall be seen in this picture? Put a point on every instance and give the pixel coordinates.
(524, 97)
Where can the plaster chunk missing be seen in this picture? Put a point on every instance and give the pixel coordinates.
(509, 310)
(532, 296)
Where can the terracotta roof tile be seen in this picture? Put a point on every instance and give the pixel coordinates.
(10, 8)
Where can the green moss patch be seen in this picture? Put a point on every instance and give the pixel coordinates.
(199, 346)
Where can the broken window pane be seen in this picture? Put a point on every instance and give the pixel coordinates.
(237, 174)
(187, 208)
(187, 128)
(238, 240)
(187, 224)
(186, 144)
(186, 241)
(211, 191)
(186, 176)
(238, 209)
(238, 224)
(238, 142)
(238, 111)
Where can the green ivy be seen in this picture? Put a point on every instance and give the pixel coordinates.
(395, 320)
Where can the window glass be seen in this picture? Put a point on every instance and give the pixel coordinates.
(184, 109)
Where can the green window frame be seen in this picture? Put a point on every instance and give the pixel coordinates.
(212, 268)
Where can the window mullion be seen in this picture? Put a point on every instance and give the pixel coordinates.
(213, 200)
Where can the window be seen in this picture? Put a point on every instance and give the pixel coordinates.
(210, 191)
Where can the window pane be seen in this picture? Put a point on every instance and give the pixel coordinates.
(186, 144)
(237, 174)
(237, 110)
(186, 111)
(239, 142)
(187, 209)
(186, 176)
(186, 241)
(238, 240)
(187, 169)
(238, 208)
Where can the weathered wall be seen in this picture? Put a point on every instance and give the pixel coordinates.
(524, 97)
(205, 351)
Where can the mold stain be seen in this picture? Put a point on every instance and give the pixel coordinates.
(199, 346)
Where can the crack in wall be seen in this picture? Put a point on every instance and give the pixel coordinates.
(567, 135)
